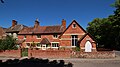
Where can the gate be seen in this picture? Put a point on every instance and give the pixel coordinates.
(24, 52)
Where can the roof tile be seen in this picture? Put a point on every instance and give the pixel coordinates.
(42, 30)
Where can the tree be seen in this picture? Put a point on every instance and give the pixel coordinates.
(100, 29)
(107, 30)
(8, 43)
(116, 24)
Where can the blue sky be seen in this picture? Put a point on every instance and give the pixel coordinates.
(51, 12)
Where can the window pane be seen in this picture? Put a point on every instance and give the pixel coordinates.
(74, 25)
(24, 36)
(76, 36)
(28, 44)
(54, 44)
(74, 40)
(38, 44)
(55, 36)
(38, 36)
(57, 44)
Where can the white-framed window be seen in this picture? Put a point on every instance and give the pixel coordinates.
(55, 45)
(74, 39)
(39, 45)
(24, 36)
(38, 36)
(74, 25)
(27, 45)
(55, 36)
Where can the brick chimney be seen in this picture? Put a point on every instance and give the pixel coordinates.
(64, 24)
(36, 23)
(14, 22)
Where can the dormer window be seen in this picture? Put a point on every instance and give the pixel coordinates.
(38, 36)
(74, 26)
(55, 36)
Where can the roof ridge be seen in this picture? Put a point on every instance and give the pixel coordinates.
(55, 25)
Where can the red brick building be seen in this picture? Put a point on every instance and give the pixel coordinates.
(56, 37)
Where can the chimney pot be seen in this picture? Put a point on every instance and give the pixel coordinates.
(36, 23)
(14, 22)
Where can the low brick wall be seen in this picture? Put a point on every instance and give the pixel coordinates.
(11, 53)
(102, 54)
(58, 54)
(49, 53)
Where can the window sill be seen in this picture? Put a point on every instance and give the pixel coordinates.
(55, 38)
(73, 46)
(38, 38)
(54, 47)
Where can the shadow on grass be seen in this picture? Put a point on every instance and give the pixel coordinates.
(34, 62)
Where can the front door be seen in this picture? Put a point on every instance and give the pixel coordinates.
(43, 46)
(88, 46)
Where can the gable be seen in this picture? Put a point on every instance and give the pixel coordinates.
(71, 30)
(85, 38)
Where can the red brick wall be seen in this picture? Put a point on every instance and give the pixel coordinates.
(69, 54)
(82, 43)
(58, 54)
(11, 53)
(70, 31)
(49, 53)
(65, 43)
(31, 38)
(74, 30)
(20, 36)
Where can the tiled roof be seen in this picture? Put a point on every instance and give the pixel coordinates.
(85, 36)
(45, 41)
(42, 30)
(16, 28)
(20, 41)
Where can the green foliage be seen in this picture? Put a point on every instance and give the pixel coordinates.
(24, 52)
(107, 30)
(100, 29)
(116, 4)
(76, 48)
(8, 43)
(62, 48)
